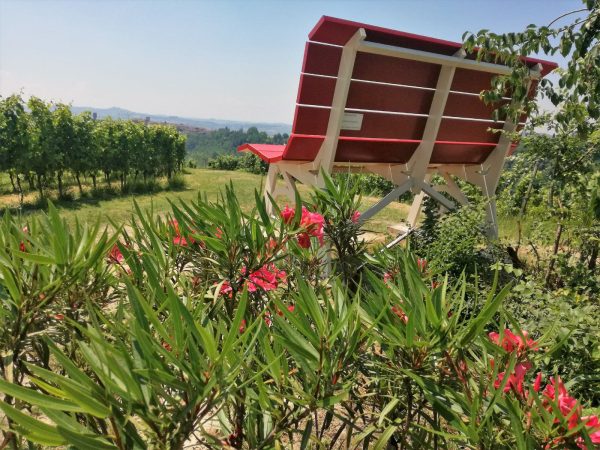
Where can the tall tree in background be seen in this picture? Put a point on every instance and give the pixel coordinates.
(43, 155)
(570, 157)
(14, 139)
(63, 142)
(577, 95)
(85, 155)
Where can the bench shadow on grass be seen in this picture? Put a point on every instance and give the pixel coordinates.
(88, 199)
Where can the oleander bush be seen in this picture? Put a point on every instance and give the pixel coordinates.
(218, 328)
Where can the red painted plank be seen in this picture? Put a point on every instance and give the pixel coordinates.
(302, 148)
(375, 152)
(315, 90)
(321, 59)
(387, 69)
(460, 154)
(465, 130)
(338, 31)
(267, 152)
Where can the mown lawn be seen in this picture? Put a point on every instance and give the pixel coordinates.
(204, 181)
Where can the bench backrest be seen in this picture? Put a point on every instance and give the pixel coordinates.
(389, 100)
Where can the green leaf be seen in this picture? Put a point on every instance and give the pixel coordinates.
(34, 430)
(36, 398)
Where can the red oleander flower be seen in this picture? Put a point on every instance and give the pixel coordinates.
(243, 326)
(219, 233)
(313, 223)
(179, 240)
(355, 216)
(556, 392)
(267, 278)
(537, 384)
(511, 342)
(115, 256)
(593, 425)
(304, 240)
(226, 289)
(515, 380)
(22, 247)
(287, 214)
(400, 313)
(422, 265)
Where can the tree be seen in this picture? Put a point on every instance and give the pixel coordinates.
(42, 158)
(63, 142)
(14, 139)
(577, 96)
(84, 158)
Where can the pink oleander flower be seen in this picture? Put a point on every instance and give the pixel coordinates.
(287, 214)
(267, 278)
(115, 256)
(226, 289)
(313, 223)
(304, 240)
(179, 239)
(512, 342)
(592, 423)
(387, 277)
(400, 313)
(355, 216)
(515, 380)
(537, 384)
(219, 233)
(22, 247)
(567, 405)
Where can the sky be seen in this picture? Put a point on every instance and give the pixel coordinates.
(227, 59)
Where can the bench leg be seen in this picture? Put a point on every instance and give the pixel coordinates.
(271, 186)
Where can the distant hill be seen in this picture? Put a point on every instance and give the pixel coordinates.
(210, 124)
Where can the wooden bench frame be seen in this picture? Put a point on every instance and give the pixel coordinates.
(414, 175)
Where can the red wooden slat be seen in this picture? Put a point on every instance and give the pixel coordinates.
(460, 154)
(303, 148)
(338, 31)
(375, 125)
(310, 120)
(389, 98)
(315, 90)
(375, 152)
(465, 130)
(471, 106)
(387, 69)
(321, 59)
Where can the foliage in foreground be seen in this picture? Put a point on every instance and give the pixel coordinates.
(219, 328)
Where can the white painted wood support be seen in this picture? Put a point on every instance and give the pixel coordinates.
(394, 194)
(420, 160)
(417, 205)
(326, 156)
(453, 189)
(429, 190)
(270, 186)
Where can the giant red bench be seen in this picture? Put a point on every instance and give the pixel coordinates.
(399, 105)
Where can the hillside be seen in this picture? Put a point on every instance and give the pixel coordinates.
(210, 124)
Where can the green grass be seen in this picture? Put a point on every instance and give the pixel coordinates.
(209, 182)
(205, 181)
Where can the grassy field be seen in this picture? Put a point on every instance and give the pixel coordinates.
(205, 181)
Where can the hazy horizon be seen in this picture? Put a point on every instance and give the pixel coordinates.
(227, 60)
